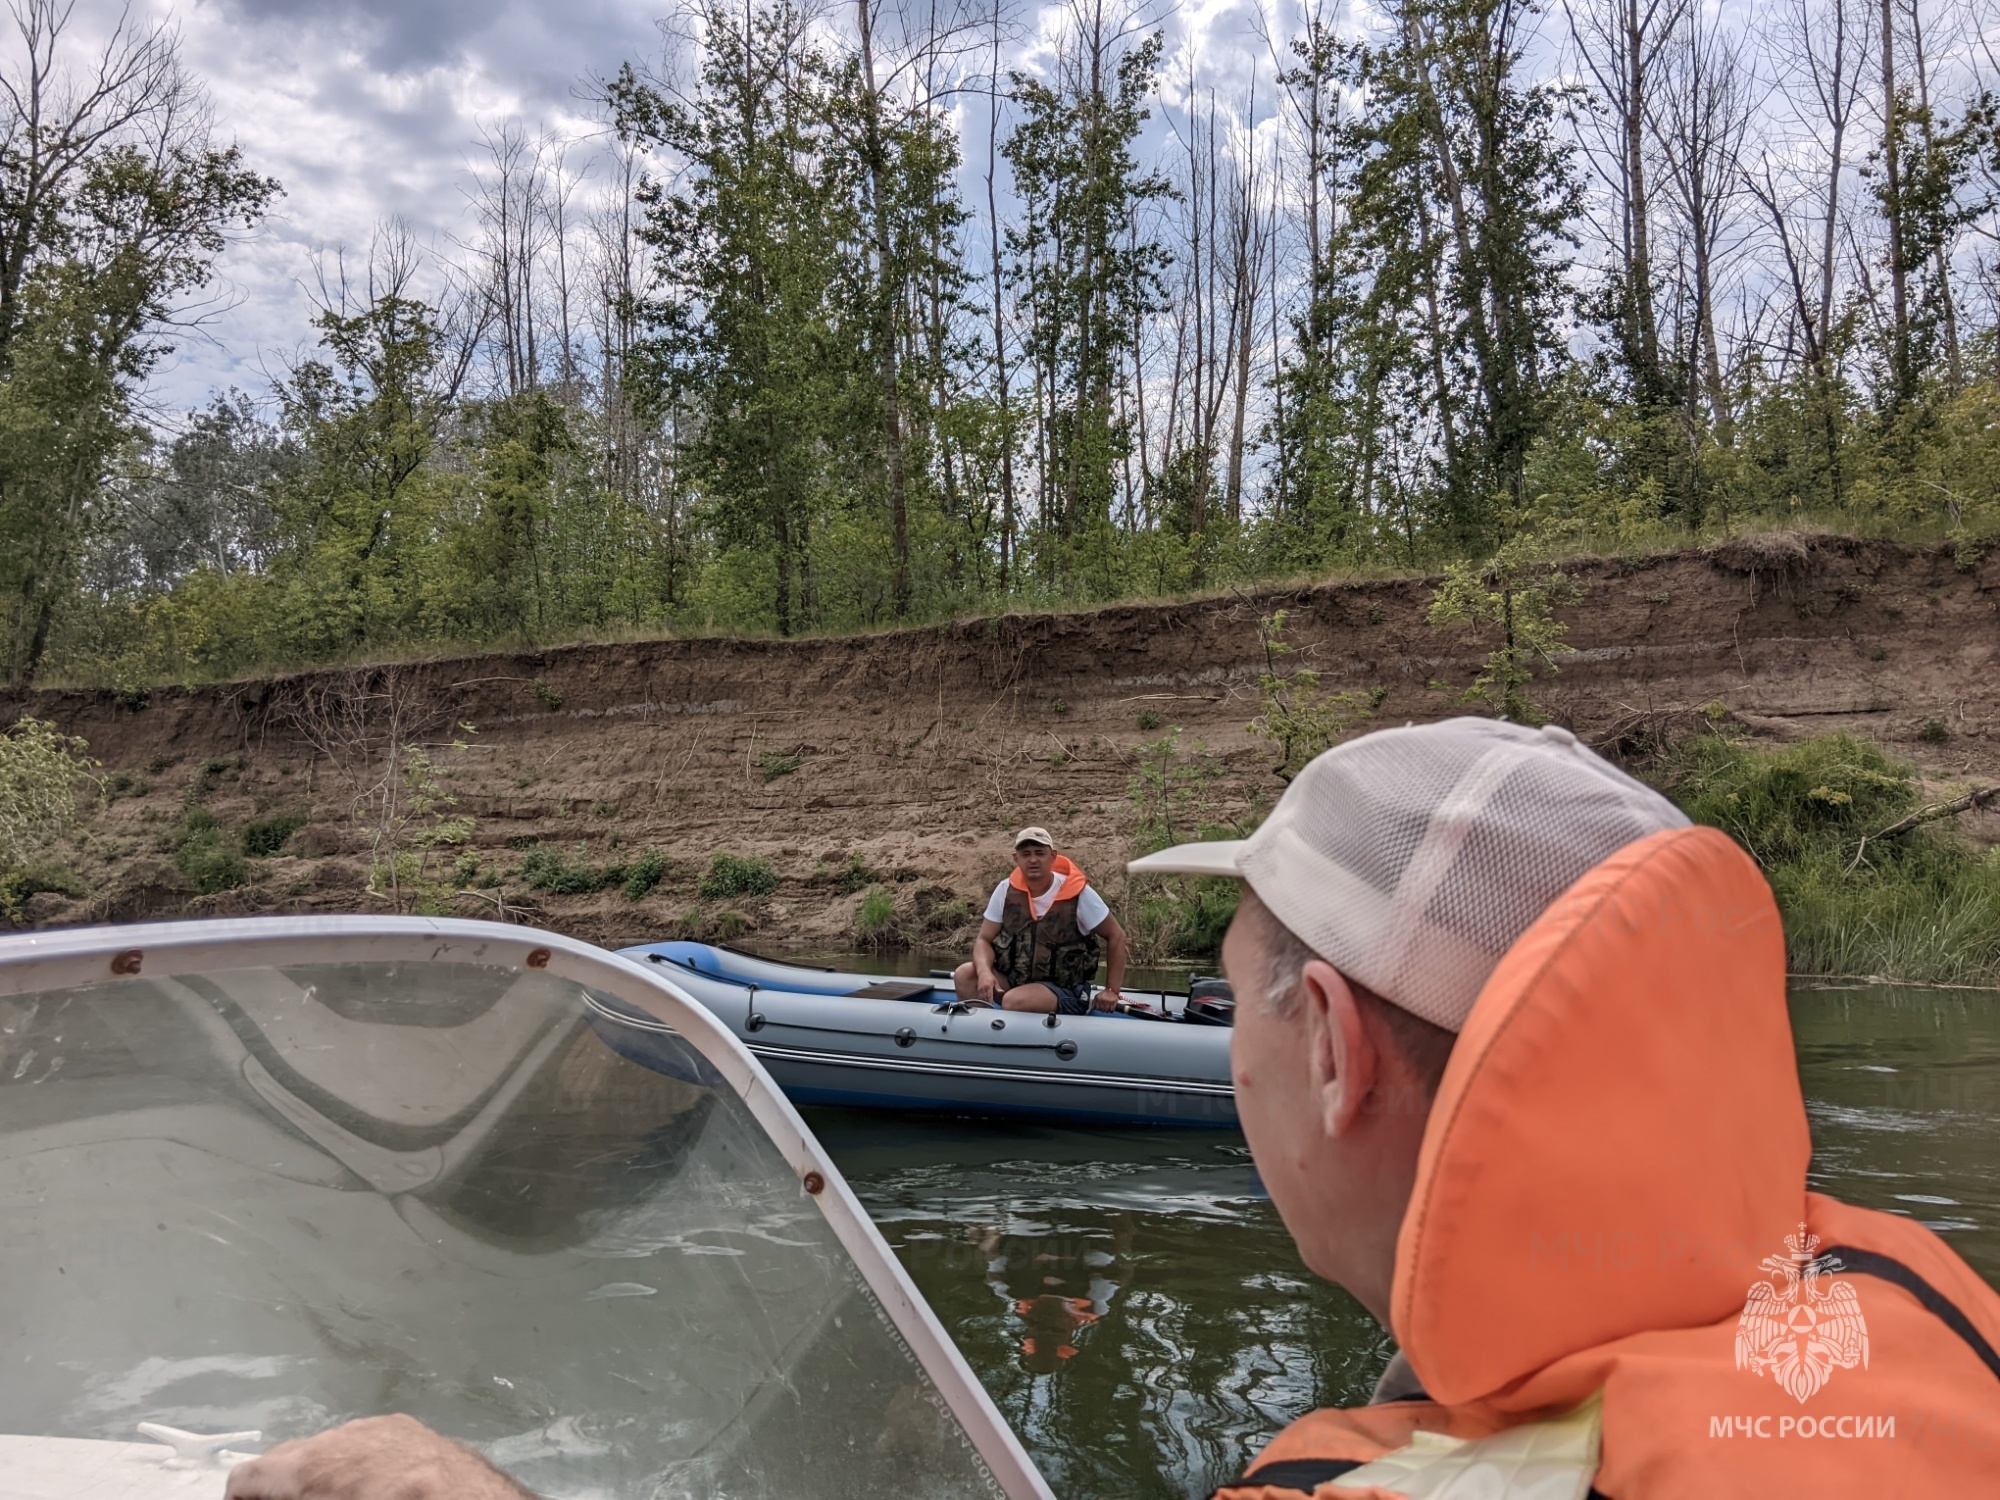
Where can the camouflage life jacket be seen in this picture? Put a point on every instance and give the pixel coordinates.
(1053, 950)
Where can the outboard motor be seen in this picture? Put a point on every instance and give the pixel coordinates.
(1211, 1002)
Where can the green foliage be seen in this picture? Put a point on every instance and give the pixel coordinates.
(736, 875)
(207, 854)
(1299, 717)
(22, 881)
(416, 824)
(1519, 598)
(1923, 906)
(1149, 721)
(855, 874)
(41, 774)
(1173, 796)
(264, 837)
(644, 874)
(546, 869)
(546, 695)
(774, 763)
(875, 918)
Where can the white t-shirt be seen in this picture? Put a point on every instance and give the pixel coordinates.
(1090, 907)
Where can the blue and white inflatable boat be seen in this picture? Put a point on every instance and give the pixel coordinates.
(860, 1039)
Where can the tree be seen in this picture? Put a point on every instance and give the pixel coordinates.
(1082, 271)
(115, 200)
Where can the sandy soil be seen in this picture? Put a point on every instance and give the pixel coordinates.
(917, 752)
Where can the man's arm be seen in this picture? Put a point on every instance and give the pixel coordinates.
(371, 1459)
(983, 961)
(1114, 964)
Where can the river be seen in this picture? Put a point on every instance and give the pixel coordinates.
(1134, 1305)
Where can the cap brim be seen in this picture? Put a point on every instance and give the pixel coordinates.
(1219, 857)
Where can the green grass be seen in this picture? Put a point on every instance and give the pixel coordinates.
(266, 836)
(207, 853)
(1923, 907)
(736, 875)
(645, 873)
(546, 869)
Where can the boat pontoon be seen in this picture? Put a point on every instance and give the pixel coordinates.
(859, 1039)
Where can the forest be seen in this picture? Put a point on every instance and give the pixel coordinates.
(849, 316)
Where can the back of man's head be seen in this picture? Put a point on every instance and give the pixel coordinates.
(1412, 859)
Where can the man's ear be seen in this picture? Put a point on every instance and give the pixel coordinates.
(1341, 1055)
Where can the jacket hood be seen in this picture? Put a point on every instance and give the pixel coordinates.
(1070, 880)
(1620, 1134)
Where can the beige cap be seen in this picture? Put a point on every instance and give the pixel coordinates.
(1411, 859)
(1033, 834)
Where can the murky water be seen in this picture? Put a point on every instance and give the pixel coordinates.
(1135, 1306)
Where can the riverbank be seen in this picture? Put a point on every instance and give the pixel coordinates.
(864, 786)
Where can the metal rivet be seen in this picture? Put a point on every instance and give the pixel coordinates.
(815, 1184)
(128, 962)
(539, 958)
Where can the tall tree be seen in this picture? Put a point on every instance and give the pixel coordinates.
(1085, 276)
(115, 200)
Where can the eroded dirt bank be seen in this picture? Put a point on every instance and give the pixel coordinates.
(916, 752)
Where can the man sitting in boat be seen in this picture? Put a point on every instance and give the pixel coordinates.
(1037, 948)
(1514, 1061)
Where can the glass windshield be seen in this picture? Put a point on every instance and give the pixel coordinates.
(279, 1198)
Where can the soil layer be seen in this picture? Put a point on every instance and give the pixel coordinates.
(900, 762)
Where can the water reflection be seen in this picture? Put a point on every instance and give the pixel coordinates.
(1134, 1304)
(1903, 1089)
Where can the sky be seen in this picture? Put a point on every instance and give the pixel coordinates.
(371, 110)
(366, 111)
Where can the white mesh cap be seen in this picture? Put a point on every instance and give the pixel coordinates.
(1411, 859)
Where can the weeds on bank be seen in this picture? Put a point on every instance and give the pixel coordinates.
(1299, 717)
(1173, 795)
(1922, 905)
(1512, 593)
(45, 779)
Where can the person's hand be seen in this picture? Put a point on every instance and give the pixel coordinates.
(988, 984)
(376, 1458)
(1107, 1000)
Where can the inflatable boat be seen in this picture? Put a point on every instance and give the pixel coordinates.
(861, 1039)
(259, 1176)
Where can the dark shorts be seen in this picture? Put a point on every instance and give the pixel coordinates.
(1069, 1002)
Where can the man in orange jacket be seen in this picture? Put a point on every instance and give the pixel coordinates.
(1513, 1058)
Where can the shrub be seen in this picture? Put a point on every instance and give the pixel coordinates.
(645, 873)
(875, 920)
(266, 836)
(775, 764)
(41, 772)
(545, 869)
(1923, 906)
(17, 885)
(205, 853)
(736, 875)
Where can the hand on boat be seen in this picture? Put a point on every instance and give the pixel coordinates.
(1107, 1000)
(373, 1459)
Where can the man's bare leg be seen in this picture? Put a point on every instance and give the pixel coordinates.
(965, 982)
(1036, 997)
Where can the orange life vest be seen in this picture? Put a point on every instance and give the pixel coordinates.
(1595, 1255)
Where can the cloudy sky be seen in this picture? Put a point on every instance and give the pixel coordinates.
(365, 110)
(368, 110)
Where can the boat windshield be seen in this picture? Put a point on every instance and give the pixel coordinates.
(261, 1200)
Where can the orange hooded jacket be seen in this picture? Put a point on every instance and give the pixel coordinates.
(1615, 1158)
